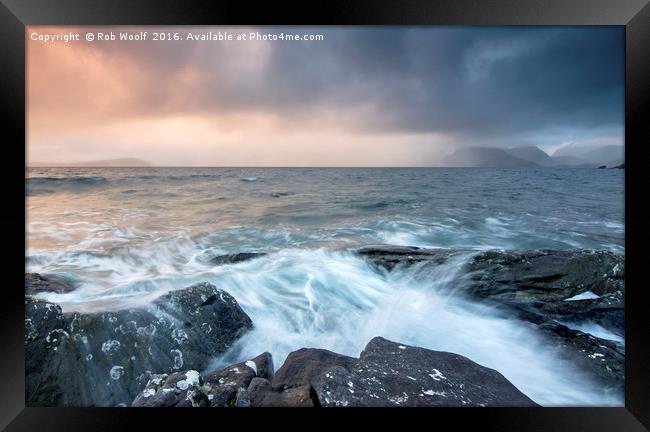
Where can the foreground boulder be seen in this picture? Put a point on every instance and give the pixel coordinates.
(180, 389)
(390, 374)
(76, 359)
(291, 384)
(386, 374)
(222, 388)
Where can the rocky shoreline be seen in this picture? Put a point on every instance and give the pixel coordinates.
(157, 355)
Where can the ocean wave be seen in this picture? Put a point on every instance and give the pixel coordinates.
(48, 185)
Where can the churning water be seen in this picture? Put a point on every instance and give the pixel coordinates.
(127, 235)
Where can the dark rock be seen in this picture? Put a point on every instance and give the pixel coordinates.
(76, 359)
(541, 283)
(537, 286)
(607, 311)
(223, 385)
(242, 400)
(390, 374)
(257, 391)
(389, 257)
(537, 283)
(386, 374)
(545, 275)
(261, 394)
(180, 389)
(235, 258)
(222, 388)
(264, 365)
(603, 359)
(44, 329)
(305, 364)
(602, 167)
(36, 283)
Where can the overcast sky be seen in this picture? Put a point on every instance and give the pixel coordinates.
(365, 96)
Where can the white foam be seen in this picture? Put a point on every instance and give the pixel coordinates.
(347, 303)
(587, 295)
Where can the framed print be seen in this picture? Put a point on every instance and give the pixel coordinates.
(430, 208)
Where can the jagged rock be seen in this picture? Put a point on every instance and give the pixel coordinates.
(603, 359)
(391, 374)
(540, 287)
(305, 364)
(235, 258)
(544, 275)
(291, 383)
(223, 385)
(532, 281)
(222, 388)
(180, 389)
(386, 374)
(518, 277)
(36, 283)
(607, 310)
(261, 394)
(76, 359)
(242, 400)
(390, 257)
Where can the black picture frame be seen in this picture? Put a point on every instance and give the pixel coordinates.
(15, 15)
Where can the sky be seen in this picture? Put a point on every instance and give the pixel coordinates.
(362, 96)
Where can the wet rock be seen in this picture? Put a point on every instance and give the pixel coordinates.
(263, 365)
(44, 329)
(607, 310)
(386, 374)
(603, 359)
(105, 359)
(235, 258)
(303, 365)
(541, 285)
(261, 394)
(223, 385)
(242, 400)
(36, 283)
(544, 275)
(389, 257)
(223, 388)
(391, 374)
(180, 389)
(547, 288)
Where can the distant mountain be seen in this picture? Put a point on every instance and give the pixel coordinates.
(593, 155)
(532, 154)
(615, 163)
(122, 162)
(564, 161)
(487, 157)
(605, 154)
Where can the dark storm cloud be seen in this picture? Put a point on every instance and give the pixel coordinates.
(497, 85)
(466, 81)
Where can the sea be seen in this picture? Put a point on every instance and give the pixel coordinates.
(124, 236)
